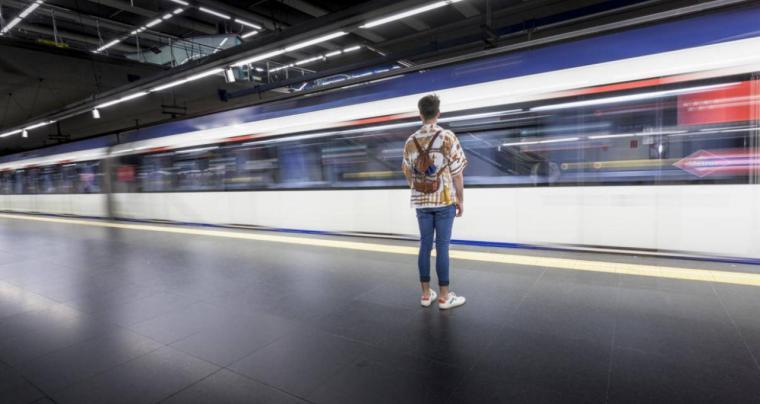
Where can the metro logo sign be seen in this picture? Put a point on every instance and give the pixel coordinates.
(724, 162)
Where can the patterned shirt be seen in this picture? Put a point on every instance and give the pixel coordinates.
(447, 155)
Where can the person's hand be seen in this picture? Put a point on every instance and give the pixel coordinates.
(460, 208)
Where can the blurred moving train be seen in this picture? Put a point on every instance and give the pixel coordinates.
(641, 139)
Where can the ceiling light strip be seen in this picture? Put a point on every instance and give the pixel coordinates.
(141, 29)
(215, 13)
(21, 16)
(247, 24)
(290, 48)
(408, 13)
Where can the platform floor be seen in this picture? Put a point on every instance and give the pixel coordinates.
(170, 314)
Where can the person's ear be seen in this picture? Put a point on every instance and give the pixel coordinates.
(438, 115)
(422, 118)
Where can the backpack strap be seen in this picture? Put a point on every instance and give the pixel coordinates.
(430, 145)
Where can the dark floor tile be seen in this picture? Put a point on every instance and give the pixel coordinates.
(147, 379)
(230, 388)
(369, 322)
(178, 324)
(15, 389)
(29, 335)
(16, 300)
(639, 377)
(698, 288)
(299, 363)
(61, 368)
(558, 364)
(675, 337)
(382, 377)
(481, 388)
(232, 340)
(139, 310)
(450, 337)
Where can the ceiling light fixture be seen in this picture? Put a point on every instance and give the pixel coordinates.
(24, 133)
(167, 16)
(249, 34)
(289, 48)
(122, 99)
(108, 45)
(184, 3)
(229, 75)
(153, 23)
(95, 113)
(187, 79)
(11, 133)
(20, 17)
(351, 49)
(408, 13)
(247, 24)
(178, 11)
(215, 13)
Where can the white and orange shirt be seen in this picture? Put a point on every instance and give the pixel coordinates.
(447, 155)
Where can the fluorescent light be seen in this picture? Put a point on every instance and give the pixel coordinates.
(187, 79)
(309, 60)
(178, 11)
(408, 13)
(249, 34)
(566, 139)
(315, 41)
(212, 12)
(351, 49)
(21, 16)
(108, 45)
(95, 114)
(627, 98)
(24, 133)
(29, 9)
(334, 53)
(224, 41)
(260, 57)
(11, 133)
(38, 125)
(153, 23)
(247, 24)
(122, 99)
(289, 48)
(167, 16)
(10, 25)
(184, 3)
(229, 75)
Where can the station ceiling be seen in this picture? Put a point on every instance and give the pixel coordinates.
(68, 55)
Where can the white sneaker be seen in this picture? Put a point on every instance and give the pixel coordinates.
(431, 298)
(452, 300)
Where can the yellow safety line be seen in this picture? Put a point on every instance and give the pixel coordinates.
(703, 275)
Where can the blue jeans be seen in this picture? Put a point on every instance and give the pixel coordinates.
(438, 222)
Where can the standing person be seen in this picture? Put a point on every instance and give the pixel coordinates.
(433, 165)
